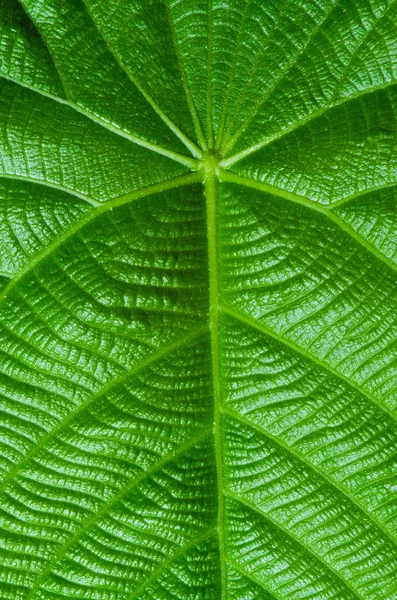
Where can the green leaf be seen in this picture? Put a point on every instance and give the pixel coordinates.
(198, 305)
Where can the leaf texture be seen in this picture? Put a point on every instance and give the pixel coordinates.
(198, 300)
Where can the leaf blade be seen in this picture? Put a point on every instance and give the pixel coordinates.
(197, 368)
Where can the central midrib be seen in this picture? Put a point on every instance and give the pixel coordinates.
(210, 167)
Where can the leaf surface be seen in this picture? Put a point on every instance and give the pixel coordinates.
(198, 309)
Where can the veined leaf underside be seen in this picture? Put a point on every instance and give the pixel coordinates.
(198, 309)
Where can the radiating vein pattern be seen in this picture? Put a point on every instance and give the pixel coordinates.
(198, 300)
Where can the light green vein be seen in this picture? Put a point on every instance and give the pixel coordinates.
(312, 205)
(135, 139)
(35, 26)
(232, 159)
(274, 86)
(250, 78)
(303, 352)
(328, 568)
(370, 31)
(187, 161)
(365, 192)
(195, 150)
(54, 186)
(219, 138)
(253, 578)
(210, 183)
(166, 564)
(210, 131)
(88, 217)
(161, 353)
(105, 508)
(315, 469)
(186, 87)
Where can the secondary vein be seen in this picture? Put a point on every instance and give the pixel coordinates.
(119, 201)
(302, 544)
(54, 186)
(312, 205)
(303, 352)
(232, 159)
(164, 566)
(186, 87)
(105, 508)
(158, 355)
(194, 149)
(321, 473)
(176, 156)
